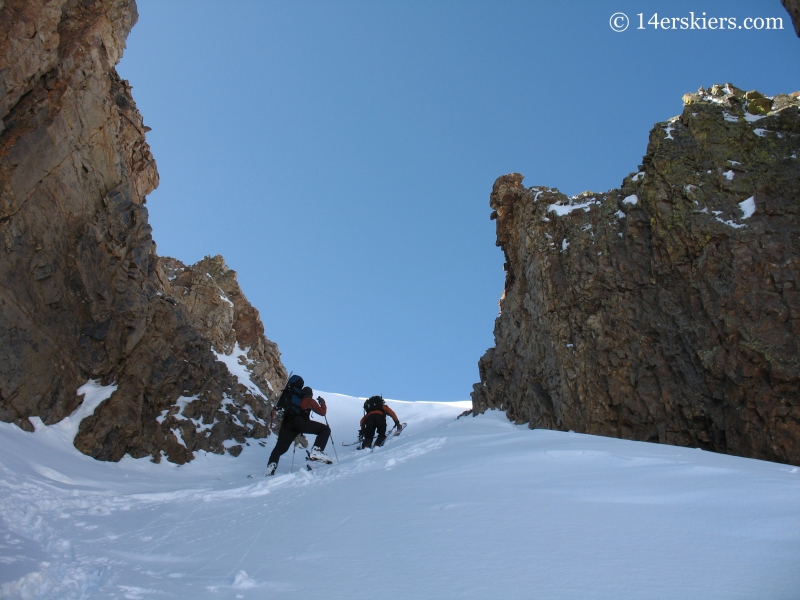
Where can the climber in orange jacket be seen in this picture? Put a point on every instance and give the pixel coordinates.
(375, 413)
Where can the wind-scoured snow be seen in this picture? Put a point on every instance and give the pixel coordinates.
(748, 207)
(237, 363)
(564, 209)
(469, 508)
(752, 118)
(224, 298)
(64, 431)
(632, 199)
(729, 223)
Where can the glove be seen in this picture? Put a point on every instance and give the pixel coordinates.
(399, 426)
(321, 400)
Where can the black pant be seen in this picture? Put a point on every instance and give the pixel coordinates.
(292, 427)
(372, 423)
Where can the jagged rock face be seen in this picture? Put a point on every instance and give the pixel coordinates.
(217, 308)
(667, 310)
(82, 293)
(74, 169)
(793, 8)
(176, 383)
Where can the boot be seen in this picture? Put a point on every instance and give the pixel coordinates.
(319, 455)
(271, 469)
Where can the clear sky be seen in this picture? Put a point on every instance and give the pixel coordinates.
(340, 154)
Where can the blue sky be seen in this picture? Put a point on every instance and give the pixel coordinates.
(340, 155)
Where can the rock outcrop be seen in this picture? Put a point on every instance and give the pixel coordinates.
(83, 294)
(667, 310)
(219, 310)
(793, 8)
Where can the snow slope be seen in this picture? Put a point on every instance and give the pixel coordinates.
(468, 508)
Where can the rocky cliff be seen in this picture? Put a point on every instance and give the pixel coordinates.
(793, 8)
(667, 310)
(83, 294)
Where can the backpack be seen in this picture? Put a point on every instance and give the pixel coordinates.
(291, 396)
(373, 403)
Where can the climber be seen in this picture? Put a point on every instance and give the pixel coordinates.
(297, 402)
(375, 413)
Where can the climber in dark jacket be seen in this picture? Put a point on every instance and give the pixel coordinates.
(375, 419)
(295, 424)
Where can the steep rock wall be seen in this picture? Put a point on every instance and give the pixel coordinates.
(793, 8)
(667, 310)
(82, 292)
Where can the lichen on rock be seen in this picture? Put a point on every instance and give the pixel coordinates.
(667, 310)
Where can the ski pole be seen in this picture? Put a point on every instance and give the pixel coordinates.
(293, 451)
(332, 442)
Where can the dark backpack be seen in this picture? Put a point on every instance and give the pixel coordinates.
(291, 396)
(373, 403)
